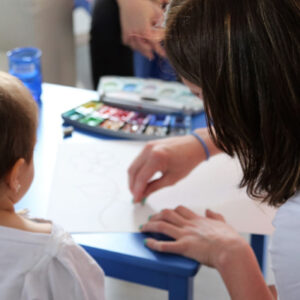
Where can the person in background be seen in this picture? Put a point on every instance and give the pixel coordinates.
(118, 28)
(38, 259)
(243, 57)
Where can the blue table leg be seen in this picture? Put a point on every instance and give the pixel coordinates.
(259, 245)
(181, 288)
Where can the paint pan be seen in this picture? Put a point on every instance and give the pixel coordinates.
(162, 125)
(178, 125)
(92, 121)
(110, 84)
(130, 87)
(148, 90)
(112, 125)
(127, 128)
(168, 93)
(84, 110)
(73, 115)
(93, 104)
(151, 128)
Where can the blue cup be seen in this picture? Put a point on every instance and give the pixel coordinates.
(25, 64)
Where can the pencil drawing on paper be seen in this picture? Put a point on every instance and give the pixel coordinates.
(89, 180)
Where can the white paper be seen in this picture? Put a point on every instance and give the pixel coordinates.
(90, 191)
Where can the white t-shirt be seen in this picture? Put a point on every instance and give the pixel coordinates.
(285, 249)
(37, 266)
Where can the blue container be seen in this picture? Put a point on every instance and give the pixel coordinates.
(25, 64)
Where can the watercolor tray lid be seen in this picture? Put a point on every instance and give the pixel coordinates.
(150, 95)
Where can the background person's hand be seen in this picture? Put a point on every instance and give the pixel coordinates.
(141, 22)
(206, 239)
(174, 157)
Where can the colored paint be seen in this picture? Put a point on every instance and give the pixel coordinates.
(127, 128)
(139, 129)
(161, 120)
(177, 122)
(167, 92)
(98, 115)
(75, 116)
(149, 89)
(68, 113)
(107, 111)
(84, 110)
(110, 86)
(120, 114)
(167, 121)
(152, 120)
(162, 125)
(91, 121)
(112, 125)
(177, 131)
(93, 104)
(161, 131)
(146, 120)
(130, 116)
(130, 87)
(150, 130)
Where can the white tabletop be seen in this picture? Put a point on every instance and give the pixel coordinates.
(213, 184)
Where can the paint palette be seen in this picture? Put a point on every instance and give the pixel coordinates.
(98, 117)
(148, 95)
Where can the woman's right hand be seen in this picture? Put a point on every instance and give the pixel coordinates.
(174, 157)
(207, 239)
(212, 242)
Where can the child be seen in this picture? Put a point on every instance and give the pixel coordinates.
(243, 57)
(38, 260)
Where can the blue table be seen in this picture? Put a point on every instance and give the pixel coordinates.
(122, 255)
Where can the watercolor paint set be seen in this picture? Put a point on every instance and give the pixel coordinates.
(98, 117)
(148, 95)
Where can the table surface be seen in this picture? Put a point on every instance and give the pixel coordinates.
(55, 100)
(58, 99)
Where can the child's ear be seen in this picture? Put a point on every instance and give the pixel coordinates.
(13, 176)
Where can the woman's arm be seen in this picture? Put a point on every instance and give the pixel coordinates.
(273, 291)
(241, 274)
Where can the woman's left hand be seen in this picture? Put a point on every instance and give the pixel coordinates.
(206, 239)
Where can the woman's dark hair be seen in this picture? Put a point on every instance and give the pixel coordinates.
(245, 55)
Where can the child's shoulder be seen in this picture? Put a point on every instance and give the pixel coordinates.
(21, 222)
(51, 261)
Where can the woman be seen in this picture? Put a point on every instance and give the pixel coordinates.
(243, 57)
